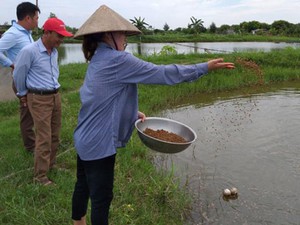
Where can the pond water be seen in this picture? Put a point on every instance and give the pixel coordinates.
(248, 141)
(72, 53)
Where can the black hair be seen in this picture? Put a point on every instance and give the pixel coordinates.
(90, 44)
(26, 9)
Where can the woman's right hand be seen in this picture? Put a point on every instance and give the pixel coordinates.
(219, 64)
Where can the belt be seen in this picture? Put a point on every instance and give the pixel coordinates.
(43, 92)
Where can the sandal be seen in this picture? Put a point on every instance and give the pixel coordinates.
(44, 181)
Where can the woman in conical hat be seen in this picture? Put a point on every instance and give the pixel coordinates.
(110, 106)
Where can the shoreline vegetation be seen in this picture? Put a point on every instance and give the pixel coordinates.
(163, 38)
(142, 193)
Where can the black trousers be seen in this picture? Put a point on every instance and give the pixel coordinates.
(95, 181)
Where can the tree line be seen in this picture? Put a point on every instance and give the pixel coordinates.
(279, 27)
(196, 26)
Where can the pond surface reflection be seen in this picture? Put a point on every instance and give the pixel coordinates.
(72, 53)
(251, 143)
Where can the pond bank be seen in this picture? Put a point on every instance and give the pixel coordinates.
(6, 92)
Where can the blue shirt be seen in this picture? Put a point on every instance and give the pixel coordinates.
(36, 69)
(109, 98)
(11, 42)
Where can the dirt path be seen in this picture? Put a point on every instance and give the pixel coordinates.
(6, 92)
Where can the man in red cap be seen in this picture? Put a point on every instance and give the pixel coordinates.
(36, 78)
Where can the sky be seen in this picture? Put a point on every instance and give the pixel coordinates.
(157, 13)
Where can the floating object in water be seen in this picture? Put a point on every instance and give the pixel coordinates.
(234, 191)
(226, 192)
(230, 194)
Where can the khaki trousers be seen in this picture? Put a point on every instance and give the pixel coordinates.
(46, 114)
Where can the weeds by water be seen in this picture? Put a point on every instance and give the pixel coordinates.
(205, 37)
(143, 194)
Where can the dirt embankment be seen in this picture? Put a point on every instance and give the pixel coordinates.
(6, 92)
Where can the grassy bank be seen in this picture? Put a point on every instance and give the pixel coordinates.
(143, 195)
(164, 38)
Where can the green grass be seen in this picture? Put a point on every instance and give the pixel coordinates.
(143, 194)
(206, 37)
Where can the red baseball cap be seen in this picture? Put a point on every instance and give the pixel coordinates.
(55, 24)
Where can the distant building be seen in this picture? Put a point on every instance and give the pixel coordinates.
(259, 31)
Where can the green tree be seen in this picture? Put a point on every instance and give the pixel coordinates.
(52, 15)
(139, 23)
(281, 27)
(236, 29)
(297, 29)
(248, 27)
(178, 29)
(196, 25)
(224, 29)
(212, 28)
(166, 27)
(265, 26)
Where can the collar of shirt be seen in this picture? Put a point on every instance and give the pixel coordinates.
(19, 27)
(42, 47)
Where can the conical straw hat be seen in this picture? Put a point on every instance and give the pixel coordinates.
(105, 19)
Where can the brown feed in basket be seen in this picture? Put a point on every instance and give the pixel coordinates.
(164, 135)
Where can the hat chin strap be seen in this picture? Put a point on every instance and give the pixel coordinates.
(116, 46)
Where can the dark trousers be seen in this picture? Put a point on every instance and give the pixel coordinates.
(26, 125)
(95, 181)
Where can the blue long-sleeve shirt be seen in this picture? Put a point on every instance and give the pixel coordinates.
(109, 98)
(11, 42)
(36, 69)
